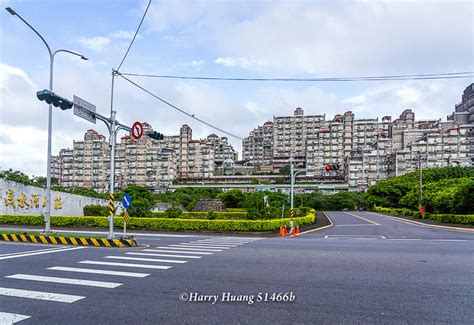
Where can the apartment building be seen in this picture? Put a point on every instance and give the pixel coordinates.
(257, 148)
(144, 162)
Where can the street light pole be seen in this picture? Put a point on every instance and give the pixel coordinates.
(47, 214)
(293, 174)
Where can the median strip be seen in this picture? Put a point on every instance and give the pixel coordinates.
(69, 240)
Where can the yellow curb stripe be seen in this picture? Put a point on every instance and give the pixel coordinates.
(53, 240)
(43, 239)
(95, 242)
(5, 237)
(84, 241)
(73, 241)
(15, 238)
(118, 243)
(106, 242)
(23, 238)
(34, 239)
(63, 240)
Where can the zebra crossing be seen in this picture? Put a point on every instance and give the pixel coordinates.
(161, 257)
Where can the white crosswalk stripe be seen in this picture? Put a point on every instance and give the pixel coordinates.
(40, 295)
(215, 244)
(145, 266)
(190, 249)
(145, 259)
(7, 318)
(175, 251)
(89, 283)
(162, 255)
(198, 246)
(96, 271)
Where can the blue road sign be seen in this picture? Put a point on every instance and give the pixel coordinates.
(126, 201)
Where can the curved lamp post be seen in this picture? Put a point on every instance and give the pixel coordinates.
(50, 115)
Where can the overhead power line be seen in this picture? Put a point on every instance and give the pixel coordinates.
(134, 36)
(449, 75)
(178, 109)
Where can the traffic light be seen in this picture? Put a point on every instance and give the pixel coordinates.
(51, 98)
(328, 167)
(155, 135)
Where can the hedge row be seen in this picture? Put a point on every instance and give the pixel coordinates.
(204, 215)
(161, 223)
(461, 219)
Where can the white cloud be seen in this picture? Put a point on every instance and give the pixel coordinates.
(96, 43)
(243, 63)
(126, 35)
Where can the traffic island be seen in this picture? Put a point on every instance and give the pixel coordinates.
(67, 240)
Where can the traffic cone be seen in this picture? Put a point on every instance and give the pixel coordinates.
(281, 231)
(292, 232)
(285, 231)
(297, 230)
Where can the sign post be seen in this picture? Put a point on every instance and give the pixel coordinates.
(127, 202)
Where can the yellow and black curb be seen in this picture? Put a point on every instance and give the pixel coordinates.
(76, 241)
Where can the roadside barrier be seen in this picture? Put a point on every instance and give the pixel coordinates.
(76, 241)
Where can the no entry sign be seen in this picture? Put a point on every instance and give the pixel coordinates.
(137, 130)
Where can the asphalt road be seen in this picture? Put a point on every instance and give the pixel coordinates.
(358, 271)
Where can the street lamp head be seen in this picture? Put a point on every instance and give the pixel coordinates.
(84, 58)
(11, 11)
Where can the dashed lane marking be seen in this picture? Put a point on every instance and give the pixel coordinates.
(97, 271)
(89, 283)
(40, 295)
(362, 218)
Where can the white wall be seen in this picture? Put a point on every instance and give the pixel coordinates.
(30, 199)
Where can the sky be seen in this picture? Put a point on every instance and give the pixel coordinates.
(242, 39)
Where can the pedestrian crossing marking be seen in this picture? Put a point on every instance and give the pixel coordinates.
(40, 295)
(50, 279)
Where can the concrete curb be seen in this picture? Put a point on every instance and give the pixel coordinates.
(75, 241)
(424, 224)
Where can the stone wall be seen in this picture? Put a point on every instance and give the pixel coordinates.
(209, 205)
(16, 198)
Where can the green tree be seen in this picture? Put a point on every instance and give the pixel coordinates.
(285, 170)
(15, 176)
(232, 198)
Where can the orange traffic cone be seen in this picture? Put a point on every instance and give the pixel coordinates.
(297, 230)
(292, 231)
(281, 231)
(285, 231)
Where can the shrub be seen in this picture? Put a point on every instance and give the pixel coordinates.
(173, 212)
(95, 210)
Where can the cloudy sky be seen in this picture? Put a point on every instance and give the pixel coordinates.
(256, 39)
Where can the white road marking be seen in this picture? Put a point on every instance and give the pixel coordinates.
(318, 229)
(96, 271)
(162, 255)
(134, 234)
(355, 236)
(33, 251)
(190, 249)
(355, 225)
(49, 296)
(57, 250)
(420, 224)
(215, 243)
(145, 266)
(7, 318)
(145, 259)
(51, 279)
(362, 218)
(427, 239)
(199, 246)
(179, 252)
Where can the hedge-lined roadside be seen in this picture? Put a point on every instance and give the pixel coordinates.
(162, 223)
(203, 215)
(460, 219)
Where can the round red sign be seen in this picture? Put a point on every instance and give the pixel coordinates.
(137, 130)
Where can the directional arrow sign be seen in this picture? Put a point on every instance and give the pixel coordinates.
(84, 109)
(126, 201)
(137, 130)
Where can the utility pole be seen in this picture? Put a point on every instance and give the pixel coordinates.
(420, 185)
